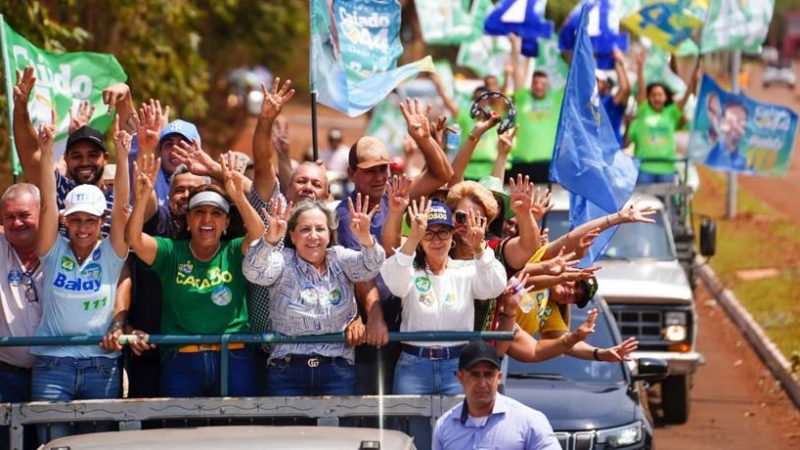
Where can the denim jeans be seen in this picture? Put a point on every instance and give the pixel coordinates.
(65, 379)
(415, 375)
(650, 178)
(15, 387)
(293, 375)
(198, 374)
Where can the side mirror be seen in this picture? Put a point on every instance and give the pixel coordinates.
(708, 237)
(651, 370)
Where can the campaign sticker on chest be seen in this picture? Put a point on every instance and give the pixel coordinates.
(309, 295)
(67, 264)
(14, 278)
(450, 298)
(185, 268)
(222, 296)
(427, 299)
(97, 254)
(423, 284)
(335, 297)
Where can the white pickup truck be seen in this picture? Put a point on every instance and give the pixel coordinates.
(650, 295)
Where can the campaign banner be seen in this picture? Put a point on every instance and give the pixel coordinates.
(736, 25)
(486, 55)
(63, 81)
(354, 49)
(450, 22)
(734, 133)
(668, 23)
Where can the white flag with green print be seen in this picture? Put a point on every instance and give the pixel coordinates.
(736, 25)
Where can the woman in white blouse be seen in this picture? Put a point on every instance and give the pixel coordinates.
(437, 294)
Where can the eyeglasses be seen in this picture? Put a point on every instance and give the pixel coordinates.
(441, 235)
(30, 289)
(461, 217)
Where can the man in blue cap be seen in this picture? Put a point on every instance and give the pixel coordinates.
(171, 135)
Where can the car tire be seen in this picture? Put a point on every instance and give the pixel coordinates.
(675, 399)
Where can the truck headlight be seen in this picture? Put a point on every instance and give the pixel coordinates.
(675, 326)
(675, 318)
(621, 436)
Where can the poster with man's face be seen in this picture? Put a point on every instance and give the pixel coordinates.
(734, 133)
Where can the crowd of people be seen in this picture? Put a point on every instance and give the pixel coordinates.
(179, 243)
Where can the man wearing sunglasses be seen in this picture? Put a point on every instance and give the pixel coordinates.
(20, 309)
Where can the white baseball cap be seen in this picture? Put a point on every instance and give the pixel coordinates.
(86, 198)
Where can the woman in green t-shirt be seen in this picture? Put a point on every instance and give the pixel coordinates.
(653, 130)
(203, 289)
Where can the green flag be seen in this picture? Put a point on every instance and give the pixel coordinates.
(449, 22)
(63, 80)
(736, 25)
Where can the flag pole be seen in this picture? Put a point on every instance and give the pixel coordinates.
(12, 147)
(731, 203)
(314, 141)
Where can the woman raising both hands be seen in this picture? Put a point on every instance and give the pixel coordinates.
(311, 289)
(203, 288)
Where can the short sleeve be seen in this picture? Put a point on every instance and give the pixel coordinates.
(675, 114)
(521, 97)
(166, 248)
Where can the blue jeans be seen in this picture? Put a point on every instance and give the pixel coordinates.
(198, 374)
(650, 178)
(66, 379)
(15, 387)
(415, 375)
(293, 376)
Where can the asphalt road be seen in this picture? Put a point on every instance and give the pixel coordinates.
(735, 402)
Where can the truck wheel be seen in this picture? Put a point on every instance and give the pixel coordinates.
(675, 399)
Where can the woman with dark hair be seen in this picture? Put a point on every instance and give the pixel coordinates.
(203, 289)
(311, 292)
(653, 130)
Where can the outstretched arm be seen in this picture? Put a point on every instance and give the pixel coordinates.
(391, 233)
(505, 142)
(119, 211)
(237, 190)
(25, 137)
(461, 160)
(520, 69)
(624, 91)
(449, 103)
(48, 217)
(641, 96)
(263, 147)
(437, 167)
(144, 175)
(518, 250)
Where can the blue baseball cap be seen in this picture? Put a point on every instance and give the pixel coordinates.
(186, 130)
(440, 215)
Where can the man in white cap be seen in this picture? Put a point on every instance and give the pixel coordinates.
(334, 156)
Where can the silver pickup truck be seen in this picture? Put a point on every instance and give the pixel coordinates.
(650, 294)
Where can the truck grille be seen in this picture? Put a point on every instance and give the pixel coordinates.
(644, 325)
(582, 440)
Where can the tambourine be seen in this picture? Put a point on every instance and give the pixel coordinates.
(476, 110)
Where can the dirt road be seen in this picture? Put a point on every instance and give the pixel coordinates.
(736, 404)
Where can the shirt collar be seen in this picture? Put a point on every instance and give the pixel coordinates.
(500, 407)
(309, 271)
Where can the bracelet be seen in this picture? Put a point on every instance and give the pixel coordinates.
(116, 325)
(595, 354)
(473, 138)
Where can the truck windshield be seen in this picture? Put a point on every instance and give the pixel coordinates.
(572, 368)
(631, 241)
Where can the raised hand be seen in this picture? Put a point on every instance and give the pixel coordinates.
(417, 119)
(278, 220)
(22, 90)
(418, 218)
(234, 179)
(280, 135)
(439, 131)
(115, 94)
(149, 122)
(476, 230)
(145, 171)
(198, 161)
(586, 240)
(505, 141)
(587, 328)
(360, 219)
(81, 117)
(561, 263)
(620, 352)
(576, 274)
(487, 123)
(397, 189)
(521, 194)
(46, 138)
(511, 301)
(541, 203)
(275, 99)
(634, 213)
(122, 139)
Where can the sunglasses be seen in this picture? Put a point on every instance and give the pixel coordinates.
(30, 289)
(441, 235)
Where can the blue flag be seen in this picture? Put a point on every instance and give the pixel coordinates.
(586, 159)
(525, 18)
(603, 30)
(354, 49)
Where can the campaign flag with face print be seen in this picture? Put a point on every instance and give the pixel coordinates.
(586, 158)
(354, 49)
(734, 133)
(63, 81)
(736, 25)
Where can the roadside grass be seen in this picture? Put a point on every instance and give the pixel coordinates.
(758, 238)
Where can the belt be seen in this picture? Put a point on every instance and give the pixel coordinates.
(194, 348)
(6, 366)
(433, 352)
(309, 360)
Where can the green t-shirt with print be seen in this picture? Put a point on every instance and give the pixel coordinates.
(653, 136)
(482, 161)
(538, 123)
(200, 297)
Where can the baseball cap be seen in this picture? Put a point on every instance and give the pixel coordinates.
(209, 198)
(605, 75)
(86, 134)
(440, 215)
(186, 130)
(589, 289)
(476, 352)
(368, 152)
(86, 198)
(495, 185)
